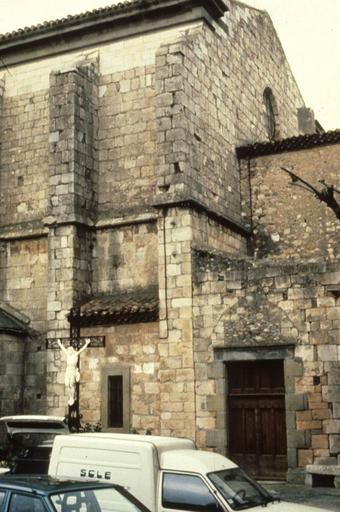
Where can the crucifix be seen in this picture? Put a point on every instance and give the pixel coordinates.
(72, 347)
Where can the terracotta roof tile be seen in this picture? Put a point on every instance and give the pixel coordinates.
(290, 144)
(216, 8)
(73, 19)
(134, 307)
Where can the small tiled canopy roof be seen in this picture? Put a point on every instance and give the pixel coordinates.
(289, 144)
(10, 324)
(123, 308)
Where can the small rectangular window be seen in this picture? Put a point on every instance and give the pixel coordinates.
(115, 401)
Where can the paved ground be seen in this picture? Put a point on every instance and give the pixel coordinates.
(327, 498)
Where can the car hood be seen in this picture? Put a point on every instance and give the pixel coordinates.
(286, 506)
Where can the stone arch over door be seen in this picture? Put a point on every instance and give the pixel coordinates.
(292, 368)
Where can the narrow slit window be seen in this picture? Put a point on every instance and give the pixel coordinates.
(271, 114)
(115, 403)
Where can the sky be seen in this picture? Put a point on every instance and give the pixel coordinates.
(309, 31)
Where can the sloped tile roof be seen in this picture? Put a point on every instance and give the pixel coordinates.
(134, 307)
(73, 19)
(290, 144)
(10, 324)
(216, 8)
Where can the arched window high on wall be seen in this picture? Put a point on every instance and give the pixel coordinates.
(271, 114)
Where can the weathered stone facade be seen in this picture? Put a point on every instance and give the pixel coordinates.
(119, 174)
(257, 309)
(296, 250)
(296, 225)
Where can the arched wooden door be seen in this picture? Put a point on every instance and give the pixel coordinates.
(257, 420)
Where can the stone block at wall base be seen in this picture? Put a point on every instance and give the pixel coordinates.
(334, 443)
(296, 476)
(216, 438)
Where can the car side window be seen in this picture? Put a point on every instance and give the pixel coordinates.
(187, 492)
(2, 497)
(25, 503)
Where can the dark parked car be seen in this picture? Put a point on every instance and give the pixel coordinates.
(19, 493)
(26, 441)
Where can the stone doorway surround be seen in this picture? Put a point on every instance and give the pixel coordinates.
(293, 367)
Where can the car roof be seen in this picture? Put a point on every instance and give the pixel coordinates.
(161, 443)
(195, 461)
(18, 424)
(33, 417)
(45, 484)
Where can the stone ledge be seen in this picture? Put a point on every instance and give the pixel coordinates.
(323, 469)
(318, 474)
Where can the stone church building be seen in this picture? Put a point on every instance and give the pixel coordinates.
(142, 199)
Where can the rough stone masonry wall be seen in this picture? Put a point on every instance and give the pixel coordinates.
(23, 268)
(2, 88)
(73, 190)
(176, 372)
(132, 347)
(66, 176)
(11, 371)
(73, 183)
(24, 158)
(211, 234)
(209, 98)
(179, 230)
(287, 221)
(249, 305)
(126, 257)
(127, 141)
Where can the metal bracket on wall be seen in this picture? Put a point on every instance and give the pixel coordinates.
(96, 342)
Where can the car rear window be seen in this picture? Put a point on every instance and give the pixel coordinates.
(36, 424)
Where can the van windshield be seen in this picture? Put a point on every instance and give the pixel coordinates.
(239, 490)
(95, 500)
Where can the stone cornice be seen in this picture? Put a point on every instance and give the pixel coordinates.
(192, 203)
(40, 229)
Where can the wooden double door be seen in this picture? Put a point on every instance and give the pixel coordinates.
(257, 420)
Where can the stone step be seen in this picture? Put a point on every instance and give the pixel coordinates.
(316, 473)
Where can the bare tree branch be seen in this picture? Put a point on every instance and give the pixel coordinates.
(325, 195)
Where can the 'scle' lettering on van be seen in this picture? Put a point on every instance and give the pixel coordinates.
(92, 473)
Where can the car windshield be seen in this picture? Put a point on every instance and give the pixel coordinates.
(96, 500)
(239, 490)
(28, 452)
(32, 439)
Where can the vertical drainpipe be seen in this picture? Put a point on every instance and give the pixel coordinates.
(165, 319)
(251, 241)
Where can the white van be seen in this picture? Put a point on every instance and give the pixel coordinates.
(166, 474)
